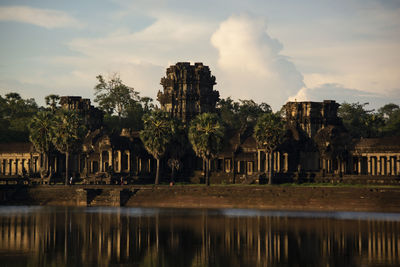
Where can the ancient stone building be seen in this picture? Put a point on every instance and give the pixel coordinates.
(93, 117)
(311, 116)
(316, 144)
(188, 90)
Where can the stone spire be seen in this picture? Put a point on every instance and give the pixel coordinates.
(188, 90)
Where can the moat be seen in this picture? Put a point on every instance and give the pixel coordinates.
(105, 236)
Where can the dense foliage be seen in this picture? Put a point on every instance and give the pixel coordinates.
(361, 122)
(206, 134)
(123, 106)
(67, 135)
(269, 132)
(157, 135)
(15, 115)
(239, 115)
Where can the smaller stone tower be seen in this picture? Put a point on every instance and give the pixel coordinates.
(312, 116)
(188, 91)
(93, 117)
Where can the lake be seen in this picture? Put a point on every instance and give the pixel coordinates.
(100, 236)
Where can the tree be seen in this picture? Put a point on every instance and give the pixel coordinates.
(68, 133)
(269, 132)
(359, 121)
(156, 135)
(239, 115)
(177, 146)
(206, 135)
(113, 96)
(40, 134)
(391, 115)
(52, 101)
(15, 116)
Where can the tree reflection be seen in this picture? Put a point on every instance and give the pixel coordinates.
(73, 236)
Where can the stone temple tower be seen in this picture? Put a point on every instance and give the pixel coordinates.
(188, 90)
(312, 116)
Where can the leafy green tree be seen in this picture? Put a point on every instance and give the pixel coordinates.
(269, 132)
(113, 96)
(239, 115)
(206, 134)
(391, 115)
(15, 115)
(68, 133)
(359, 121)
(156, 135)
(41, 135)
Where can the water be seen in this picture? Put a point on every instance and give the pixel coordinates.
(58, 236)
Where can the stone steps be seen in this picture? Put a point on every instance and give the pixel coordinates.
(104, 197)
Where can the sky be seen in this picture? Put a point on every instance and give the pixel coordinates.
(268, 51)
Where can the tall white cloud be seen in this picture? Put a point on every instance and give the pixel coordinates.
(46, 18)
(250, 64)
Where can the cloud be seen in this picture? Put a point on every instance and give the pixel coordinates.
(46, 18)
(338, 92)
(250, 64)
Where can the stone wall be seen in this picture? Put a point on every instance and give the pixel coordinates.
(372, 199)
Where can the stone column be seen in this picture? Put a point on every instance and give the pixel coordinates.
(398, 164)
(55, 164)
(369, 165)
(392, 166)
(259, 160)
(101, 161)
(119, 160)
(128, 153)
(359, 165)
(373, 166)
(286, 162)
(15, 166)
(388, 167)
(278, 156)
(111, 159)
(383, 165)
(378, 165)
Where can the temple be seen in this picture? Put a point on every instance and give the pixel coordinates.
(188, 91)
(316, 146)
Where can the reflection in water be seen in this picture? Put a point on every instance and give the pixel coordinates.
(43, 236)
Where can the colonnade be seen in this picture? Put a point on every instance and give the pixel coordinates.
(120, 161)
(377, 164)
(19, 164)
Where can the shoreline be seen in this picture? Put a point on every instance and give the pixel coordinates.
(290, 198)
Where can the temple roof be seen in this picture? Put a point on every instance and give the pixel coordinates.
(385, 144)
(16, 148)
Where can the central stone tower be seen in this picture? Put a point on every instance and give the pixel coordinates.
(188, 91)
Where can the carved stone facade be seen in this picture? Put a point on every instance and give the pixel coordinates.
(312, 116)
(188, 90)
(93, 117)
(316, 145)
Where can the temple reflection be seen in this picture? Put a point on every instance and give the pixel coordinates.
(70, 236)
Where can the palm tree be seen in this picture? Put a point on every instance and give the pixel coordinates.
(67, 135)
(40, 134)
(269, 132)
(177, 146)
(206, 135)
(156, 135)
